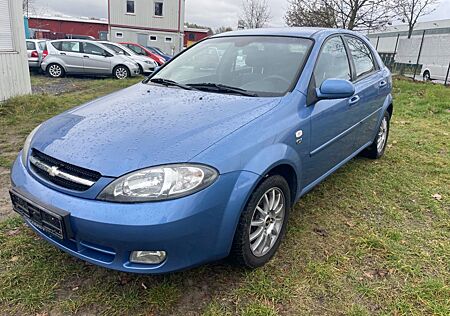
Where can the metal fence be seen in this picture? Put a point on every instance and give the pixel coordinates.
(424, 56)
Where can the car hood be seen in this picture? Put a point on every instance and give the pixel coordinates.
(143, 126)
(141, 58)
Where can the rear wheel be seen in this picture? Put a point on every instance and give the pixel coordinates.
(55, 71)
(426, 76)
(377, 148)
(121, 72)
(262, 224)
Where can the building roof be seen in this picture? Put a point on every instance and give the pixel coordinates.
(69, 19)
(192, 29)
(437, 26)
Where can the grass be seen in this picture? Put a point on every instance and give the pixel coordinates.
(386, 250)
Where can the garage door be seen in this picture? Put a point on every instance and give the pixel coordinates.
(6, 40)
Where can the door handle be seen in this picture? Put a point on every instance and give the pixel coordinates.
(383, 83)
(353, 100)
(62, 53)
(85, 56)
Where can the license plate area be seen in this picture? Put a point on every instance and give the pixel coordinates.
(51, 220)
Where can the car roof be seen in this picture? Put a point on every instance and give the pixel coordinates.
(308, 32)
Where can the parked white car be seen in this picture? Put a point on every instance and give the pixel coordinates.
(86, 57)
(36, 52)
(146, 64)
(434, 71)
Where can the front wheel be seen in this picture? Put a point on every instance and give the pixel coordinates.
(426, 76)
(121, 72)
(262, 224)
(377, 148)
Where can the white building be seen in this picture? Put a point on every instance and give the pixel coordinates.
(435, 51)
(157, 23)
(14, 74)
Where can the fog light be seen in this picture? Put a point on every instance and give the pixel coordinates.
(148, 257)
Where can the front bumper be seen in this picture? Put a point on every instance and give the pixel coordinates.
(192, 230)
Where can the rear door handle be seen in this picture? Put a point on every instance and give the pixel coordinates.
(62, 53)
(86, 56)
(383, 83)
(353, 100)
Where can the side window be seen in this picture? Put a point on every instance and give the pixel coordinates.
(56, 45)
(92, 49)
(332, 62)
(362, 56)
(73, 47)
(130, 6)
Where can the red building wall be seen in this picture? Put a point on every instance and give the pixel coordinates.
(191, 37)
(68, 27)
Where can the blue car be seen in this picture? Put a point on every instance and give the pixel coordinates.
(205, 158)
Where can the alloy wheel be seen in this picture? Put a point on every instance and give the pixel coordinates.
(121, 73)
(267, 221)
(382, 135)
(55, 71)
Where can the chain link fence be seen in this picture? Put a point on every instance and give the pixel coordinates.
(424, 56)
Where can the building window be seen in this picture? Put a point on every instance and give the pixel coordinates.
(168, 39)
(119, 35)
(159, 8)
(130, 6)
(153, 38)
(6, 37)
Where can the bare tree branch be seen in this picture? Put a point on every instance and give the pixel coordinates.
(409, 11)
(255, 14)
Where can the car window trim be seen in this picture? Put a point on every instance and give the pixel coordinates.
(376, 67)
(82, 48)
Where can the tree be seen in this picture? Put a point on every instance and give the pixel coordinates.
(255, 13)
(313, 13)
(409, 11)
(223, 29)
(27, 6)
(347, 14)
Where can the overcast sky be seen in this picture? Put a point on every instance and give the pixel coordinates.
(212, 13)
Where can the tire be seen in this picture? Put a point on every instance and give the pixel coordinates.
(246, 252)
(377, 148)
(141, 70)
(426, 76)
(121, 72)
(55, 71)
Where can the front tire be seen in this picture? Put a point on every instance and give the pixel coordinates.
(262, 224)
(55, 71)
(121, 72)
(377, 148)
(426, 76)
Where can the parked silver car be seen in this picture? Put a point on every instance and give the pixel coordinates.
(86, 57)
(146, 64)
(36, 52)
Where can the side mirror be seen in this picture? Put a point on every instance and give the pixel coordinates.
(335, 89)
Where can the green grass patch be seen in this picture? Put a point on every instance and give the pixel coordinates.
(386, 250)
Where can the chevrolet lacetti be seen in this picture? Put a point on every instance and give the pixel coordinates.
(204, 159)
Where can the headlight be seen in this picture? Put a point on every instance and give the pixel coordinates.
(159, 183)
(26, 146)
(150, 62)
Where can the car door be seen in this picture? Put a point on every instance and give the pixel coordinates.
(70, 54)
(333, 120)
(96, 59)
(371, 87)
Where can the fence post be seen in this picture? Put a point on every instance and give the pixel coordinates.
(446, 77)
(418, 56)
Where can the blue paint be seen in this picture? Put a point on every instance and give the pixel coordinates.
(243, 138)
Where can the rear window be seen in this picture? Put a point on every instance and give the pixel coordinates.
(31, 46)
(43, 45)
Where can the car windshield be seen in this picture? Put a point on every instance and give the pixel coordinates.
(116, 49)
(262, 65)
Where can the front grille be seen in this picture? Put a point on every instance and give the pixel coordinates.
(62, 174)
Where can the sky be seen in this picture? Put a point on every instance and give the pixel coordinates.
(211, 13)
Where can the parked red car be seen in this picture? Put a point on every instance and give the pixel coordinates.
(141, 50)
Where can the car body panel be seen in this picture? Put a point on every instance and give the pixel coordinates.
(243, 138)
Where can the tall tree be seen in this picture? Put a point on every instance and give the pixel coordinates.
(347, 14)
(409, 11)
(255, 13)
(27, 6)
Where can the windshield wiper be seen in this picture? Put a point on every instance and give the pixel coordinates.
(167, 82)
(217, 87)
